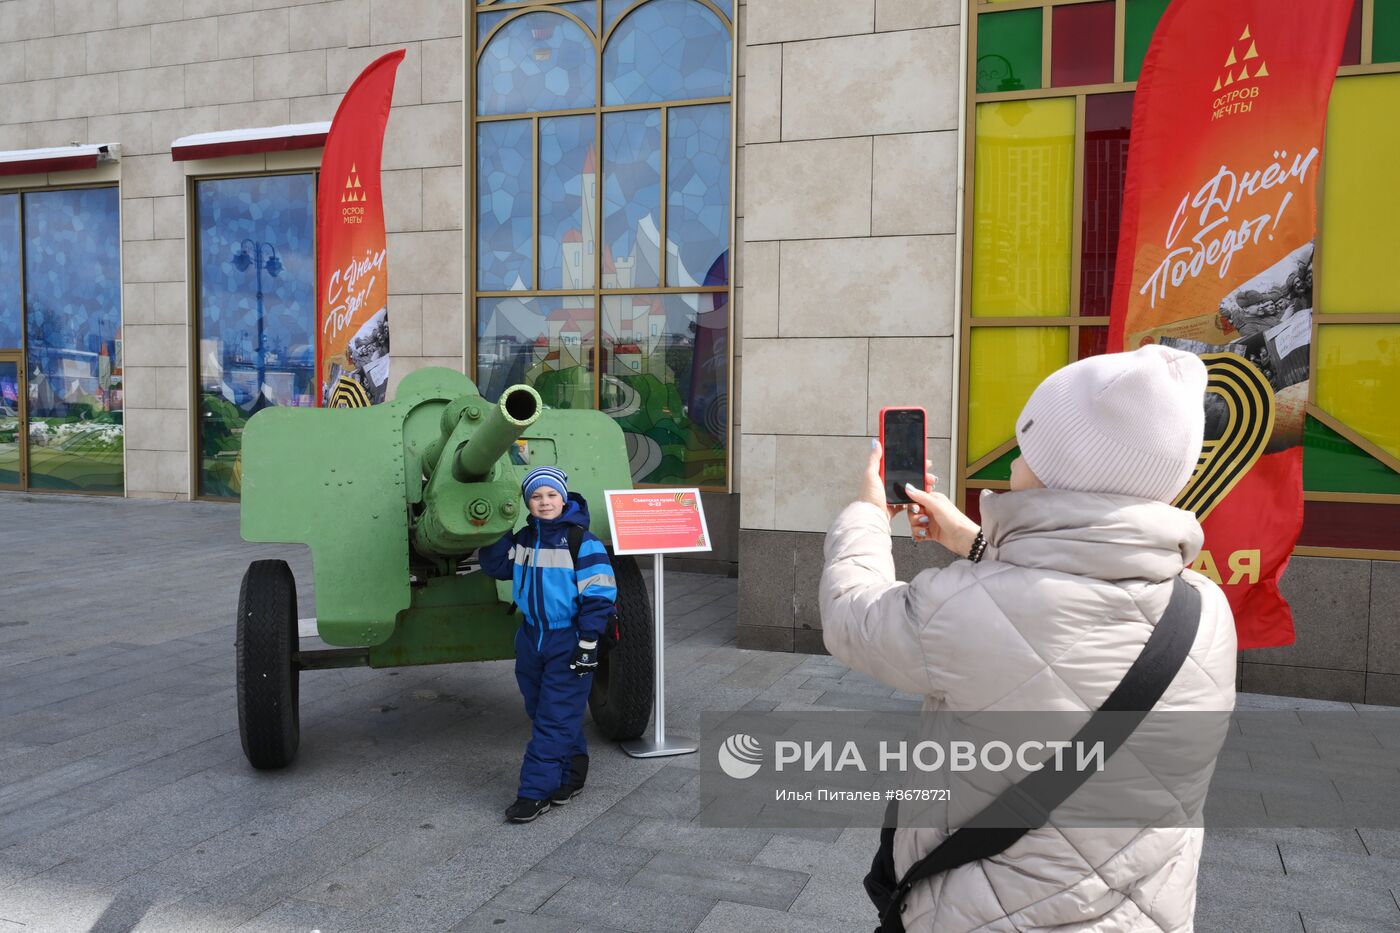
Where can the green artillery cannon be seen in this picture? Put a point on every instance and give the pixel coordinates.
(393, 501)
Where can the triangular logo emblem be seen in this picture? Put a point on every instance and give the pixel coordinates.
(1244, 72)
(1263, 71)
(1229, 80)
(1244, 35)
(1217, 86)
(1252, 53)
(1231, 60)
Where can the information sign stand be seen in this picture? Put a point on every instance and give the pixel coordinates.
(657, 522)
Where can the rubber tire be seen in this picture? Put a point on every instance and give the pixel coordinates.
(623, 686)
(268, 719)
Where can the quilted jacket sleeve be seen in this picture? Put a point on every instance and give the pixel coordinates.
(496, 558)
(902, 634)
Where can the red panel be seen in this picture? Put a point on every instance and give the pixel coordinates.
(1081, 44)
(1092, 341)
(247, 147)
(56, 164)
(1359, 525)
(1107, 121)
(1351, 52)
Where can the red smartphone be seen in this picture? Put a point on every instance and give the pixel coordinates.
(902, 451)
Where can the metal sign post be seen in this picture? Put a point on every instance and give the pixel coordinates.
(657, 522)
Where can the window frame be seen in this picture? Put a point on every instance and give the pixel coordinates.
(964, 471)
(597, 292)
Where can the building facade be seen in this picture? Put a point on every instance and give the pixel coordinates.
(739, 227)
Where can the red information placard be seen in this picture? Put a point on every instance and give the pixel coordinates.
(657, 521)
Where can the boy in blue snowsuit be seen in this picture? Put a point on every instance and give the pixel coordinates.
(566, 607)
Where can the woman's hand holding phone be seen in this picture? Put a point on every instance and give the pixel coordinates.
(934, 517)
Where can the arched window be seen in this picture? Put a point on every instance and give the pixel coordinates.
(603, 218)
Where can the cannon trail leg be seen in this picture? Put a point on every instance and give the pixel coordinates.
(268, 721)
(621, 699)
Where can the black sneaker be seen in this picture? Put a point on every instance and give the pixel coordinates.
(524, 809)
(573, 784)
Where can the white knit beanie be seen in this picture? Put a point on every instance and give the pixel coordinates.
(1124, 423)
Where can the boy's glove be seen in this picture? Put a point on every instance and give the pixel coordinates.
(585, 659)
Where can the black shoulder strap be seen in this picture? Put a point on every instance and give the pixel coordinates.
(575, 535)
(1030, 801)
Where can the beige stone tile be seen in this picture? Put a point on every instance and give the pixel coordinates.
(896, 82)
(152, 88)
(173, 472)
(427, 263)
(423, 137)
(86, 94)
(151, 176)
(156, 429)
(314, 109)
(444, 198)
(815, 478)
(138, 303)
(168, 218)
(27, 19)
(916, 14)
(28, 102)
(172, 388)
(142, 470)
(318, 26)
(443, 70)
(356, 23)
(137, 218)
(763, 95)
(13, 137)
(804, 386)
(308, 159)
(52, 133)
(877, 287)
(170, 301)
(255, 113)
(139, 386)
(406, 325)
(293, 74)
(118, 50)
(12, 56)
(818, 188)
(758, 480)
(142, 12)
(260, 32)
(912, 371)
(153, 261)
(195, 9)
(761, 261)
(916, 183)
(78, 16)
(191, 40)
(132, 130)
(788, 20)
(403, 200)
(57, 57)
(153, 345)
(169, 125)
(412, 20)
(444, 325)
(343, 66)
(219, 82)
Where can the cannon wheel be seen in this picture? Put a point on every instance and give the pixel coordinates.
(268, 721)
(623, 688)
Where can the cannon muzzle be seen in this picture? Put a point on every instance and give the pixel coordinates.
(518, 408)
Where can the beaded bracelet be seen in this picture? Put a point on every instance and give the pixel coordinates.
(979, 547)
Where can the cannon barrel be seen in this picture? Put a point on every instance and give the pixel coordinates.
(518, 408)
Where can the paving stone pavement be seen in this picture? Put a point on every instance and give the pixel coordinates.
(126, 804)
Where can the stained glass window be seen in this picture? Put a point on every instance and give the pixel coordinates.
(1082, 44)
(538, 61)
(11, 302)
(574, 208)
(72, 282)
(256, 272)
(1107, 121)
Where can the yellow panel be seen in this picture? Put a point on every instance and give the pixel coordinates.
(1361, 200)
(1022, 208)
(1007, 363)
(1358, 379)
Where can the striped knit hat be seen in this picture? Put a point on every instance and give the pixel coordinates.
(545, 476)
(1131, 424)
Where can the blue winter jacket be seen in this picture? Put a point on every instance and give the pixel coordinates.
(549, 589)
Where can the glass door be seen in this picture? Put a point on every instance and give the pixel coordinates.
(13, 431)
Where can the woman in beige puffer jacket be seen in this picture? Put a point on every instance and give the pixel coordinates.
(1071, 582)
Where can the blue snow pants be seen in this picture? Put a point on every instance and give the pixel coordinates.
(555, 698)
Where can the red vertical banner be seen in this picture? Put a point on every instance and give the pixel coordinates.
(352, 314)
(1216, 257)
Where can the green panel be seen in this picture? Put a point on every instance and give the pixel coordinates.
(1000, 468)
(455, 618)
(1385, 44)
(1141, 21)
(1331, 463)
(1008, 51)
